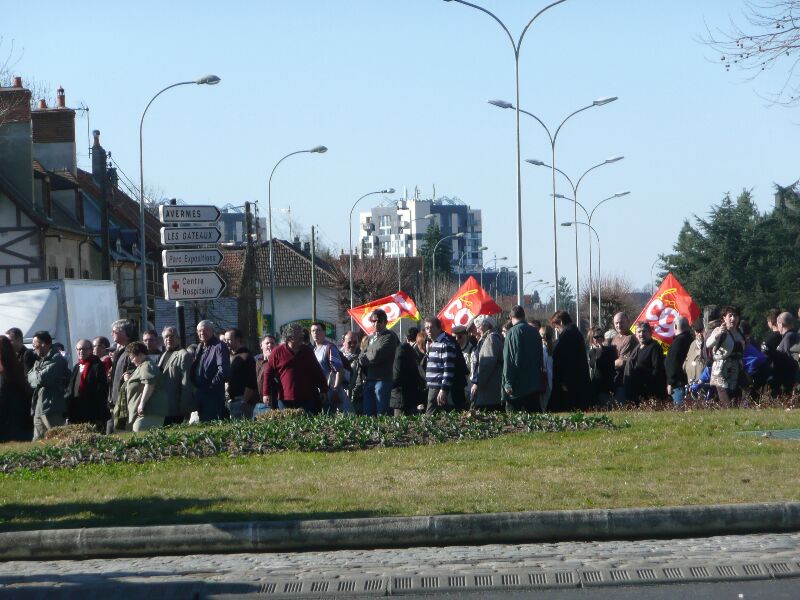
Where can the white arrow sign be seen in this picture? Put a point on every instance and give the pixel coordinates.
(193, 285)
(199, 213)
(191, 258)
(189, 236)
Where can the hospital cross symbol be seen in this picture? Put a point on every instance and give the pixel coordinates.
(176, 286)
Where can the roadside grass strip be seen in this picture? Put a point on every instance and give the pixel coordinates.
(76, 445)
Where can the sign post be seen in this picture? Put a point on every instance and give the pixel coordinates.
(193, 226)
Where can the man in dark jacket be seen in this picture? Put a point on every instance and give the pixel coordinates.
(570, 366)
(87, 391)
(523, 363)
(210, 370)
(378, 359)
(676, 356)
(408, 379)
(645, 376)
(25, 355)
(48, 377)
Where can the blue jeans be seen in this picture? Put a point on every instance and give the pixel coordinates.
(678, 394)
(376, 397)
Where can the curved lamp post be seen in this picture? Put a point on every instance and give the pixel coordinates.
(589, 216)
(461, 258)
(553, 138)
(350, 243)
(494, 260)
(314, 150)
(207, 80)
(570, 224)
(574, 187)
(652, 280)
(516, 47)
(433, 261)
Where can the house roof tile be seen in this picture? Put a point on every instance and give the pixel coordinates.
(292, 266)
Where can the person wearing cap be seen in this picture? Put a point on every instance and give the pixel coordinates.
(487, 366)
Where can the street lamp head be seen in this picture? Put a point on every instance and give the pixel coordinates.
(605, 100)
(613, 159)
(208, 80)
(482, 248)
(533, 161)
(620, 194)
(562, 196)
(568, 224)
(501, 104)
(319, 150)
(458, 235)
(388, 191)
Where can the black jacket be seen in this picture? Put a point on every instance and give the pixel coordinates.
(407, 380)
(92, 404)
(676, 356)
(570, 372)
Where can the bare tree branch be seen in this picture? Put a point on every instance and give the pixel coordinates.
(769, 38)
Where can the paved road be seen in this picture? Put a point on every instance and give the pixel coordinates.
(565, 569)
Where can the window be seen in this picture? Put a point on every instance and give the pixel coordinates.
(52, 272)
(69, 273)
(386, 224)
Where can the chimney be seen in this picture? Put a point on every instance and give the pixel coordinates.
(98, 159)
(42, 104)
(16, 154)
(54, 136)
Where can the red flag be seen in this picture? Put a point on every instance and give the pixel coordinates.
(397, 306)
(669, 302)
(469, 301)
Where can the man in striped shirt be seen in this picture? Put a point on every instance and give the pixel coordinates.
(441, 365)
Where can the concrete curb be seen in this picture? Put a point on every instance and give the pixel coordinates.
(340, 534)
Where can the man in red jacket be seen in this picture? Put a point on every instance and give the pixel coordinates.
(296, 369)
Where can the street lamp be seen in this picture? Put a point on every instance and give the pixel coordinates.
(516, 46)
(314, 150)
(599, 307)
(461, 258)
(553, 138)
(207, 80)
(589, 216)
(350, 243)
(433, 262)
(652, 279)
(494, 260)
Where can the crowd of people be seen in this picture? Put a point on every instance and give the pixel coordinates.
(524, 365)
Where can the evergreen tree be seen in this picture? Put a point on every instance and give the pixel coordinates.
(444, 252)
(738, 256)
(566, 296)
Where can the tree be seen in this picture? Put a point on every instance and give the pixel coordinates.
(739, 256)
(444, 252)
(566, 296)
(770, 37)
(535, 298)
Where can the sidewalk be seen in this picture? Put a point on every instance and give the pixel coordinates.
(455, 570)
(402, 532)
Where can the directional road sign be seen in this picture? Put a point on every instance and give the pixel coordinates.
(193, 285)
(174, 259)
(188, 213)
(189, 236)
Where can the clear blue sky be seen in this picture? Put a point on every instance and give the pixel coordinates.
(397, 90)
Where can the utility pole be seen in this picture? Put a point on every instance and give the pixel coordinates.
(313, 277)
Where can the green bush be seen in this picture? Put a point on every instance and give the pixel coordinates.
(283, 431)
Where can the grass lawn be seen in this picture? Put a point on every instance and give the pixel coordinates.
(663, 458)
